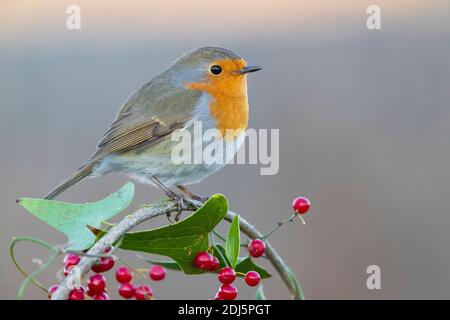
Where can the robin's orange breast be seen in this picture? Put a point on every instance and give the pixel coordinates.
(229, 106)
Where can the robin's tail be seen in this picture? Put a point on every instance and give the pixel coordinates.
(76, 177)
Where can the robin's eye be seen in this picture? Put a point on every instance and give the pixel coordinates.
(215, 70)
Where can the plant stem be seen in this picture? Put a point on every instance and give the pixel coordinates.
(159, 209)
(17, 264)
(31, 277)
(279, 224)
(221, 237)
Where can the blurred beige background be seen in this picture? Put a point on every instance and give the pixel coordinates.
(364, 120)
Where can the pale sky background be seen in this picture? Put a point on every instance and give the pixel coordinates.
(177, 18)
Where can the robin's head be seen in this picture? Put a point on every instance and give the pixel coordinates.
(212, 69)
(222, 75)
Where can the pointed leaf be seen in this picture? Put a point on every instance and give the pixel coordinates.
(247, 264)
(221, 255)
(183, 240)
(233, 243)
(73, 219)
(170, 265)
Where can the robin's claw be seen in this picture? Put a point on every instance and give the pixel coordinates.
(179, 199)
(169, 217)
(180, 202)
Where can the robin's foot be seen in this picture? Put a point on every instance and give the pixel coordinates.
(192, 195)
(179, 202)
(177, 198)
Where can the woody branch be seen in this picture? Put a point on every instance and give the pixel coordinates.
(151, 211)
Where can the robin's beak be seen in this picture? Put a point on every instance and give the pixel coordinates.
(249, 69)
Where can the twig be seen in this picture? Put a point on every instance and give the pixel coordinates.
(281, 223)
(152, 211)
(114, 234)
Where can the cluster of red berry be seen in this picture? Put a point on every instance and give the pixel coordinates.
(96, 284)
(143, 292)
(207, 262)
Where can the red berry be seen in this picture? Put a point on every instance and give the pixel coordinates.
(301, 205)
(126, 290)
(143, 292)
(227, 275)
(227, 292)
(97, 283)
(91, 293)
(76, 294)
(203, 261)
(252, 278)
(105, 264)
(157, 273)
(52, 290)
(215, 264)
(101, 296)
(256, 248)
(71, 259)
(217, 296)
(124, 274)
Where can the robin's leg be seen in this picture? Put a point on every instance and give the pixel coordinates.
(179, 199)
(191, 194)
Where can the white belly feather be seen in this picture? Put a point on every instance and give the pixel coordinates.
(157, 160)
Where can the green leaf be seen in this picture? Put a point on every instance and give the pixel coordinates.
(247, 264)
(72, 219)
(259, 295)
(221, 255)
(183, 240)
(170, 265)
(233, 243)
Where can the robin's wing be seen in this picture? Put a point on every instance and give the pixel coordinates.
(150, 114)
(154, 111)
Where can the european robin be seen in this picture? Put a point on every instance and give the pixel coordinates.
(206, 85)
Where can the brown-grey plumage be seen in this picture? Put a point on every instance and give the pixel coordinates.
(151, 114)
(143, 120)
